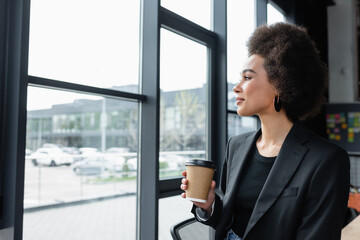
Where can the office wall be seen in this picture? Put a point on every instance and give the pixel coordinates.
(342, 54)
(343, 62)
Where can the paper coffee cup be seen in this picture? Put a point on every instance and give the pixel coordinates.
(199, 174)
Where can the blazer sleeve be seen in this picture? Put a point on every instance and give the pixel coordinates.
(326, 202)
(219, 194)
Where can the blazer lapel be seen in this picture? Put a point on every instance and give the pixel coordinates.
(238, 162)
(288, 160)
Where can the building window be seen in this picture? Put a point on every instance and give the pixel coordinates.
(72, 162)
(240, 25)
(183, 78)
(82, 148)
(92, 43)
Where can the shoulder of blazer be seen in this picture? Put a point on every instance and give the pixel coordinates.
(317, 145)
(315, 141)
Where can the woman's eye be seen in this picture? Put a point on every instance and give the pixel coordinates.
(244, 78)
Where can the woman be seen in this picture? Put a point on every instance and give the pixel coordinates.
(282, 181)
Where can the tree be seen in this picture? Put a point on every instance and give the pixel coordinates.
(188, 120)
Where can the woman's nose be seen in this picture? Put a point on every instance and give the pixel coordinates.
(237, 88)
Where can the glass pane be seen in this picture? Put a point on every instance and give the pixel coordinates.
(198, 11)
(183, 74)
(172, 210)
(238, 125)
(240, 25)
(274, 15)
(82, 155)
(86, 42)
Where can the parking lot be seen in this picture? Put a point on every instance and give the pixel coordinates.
(48, 185)
(50, 212)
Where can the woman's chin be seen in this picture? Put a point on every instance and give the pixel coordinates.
(243, 113)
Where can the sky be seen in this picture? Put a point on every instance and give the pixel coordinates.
(96, 43)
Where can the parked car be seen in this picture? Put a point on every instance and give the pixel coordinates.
(89, 152)
(115, 158)
(90, 166)
(117, 150)
(115, 164)
(166, 162)
(50, 157)
(97, 165)
(73, 151)
(172, 161)
(27, 152)
(132, 164)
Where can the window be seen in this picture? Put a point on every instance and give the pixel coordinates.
(187, 78)
(238, 125)
(274, 15)
(240, 25)
(80, 160)
(96, 44)
(183, 74)
(82, 148)
(180, 210)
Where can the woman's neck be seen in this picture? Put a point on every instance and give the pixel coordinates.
(273, 133)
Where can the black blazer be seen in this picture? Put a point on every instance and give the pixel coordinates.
(304, 197)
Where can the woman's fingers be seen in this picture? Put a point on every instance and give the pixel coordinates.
(183, 187)
(184, 181)
(211, 197)
(213, 185)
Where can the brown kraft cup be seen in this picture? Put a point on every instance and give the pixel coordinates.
(199, 174)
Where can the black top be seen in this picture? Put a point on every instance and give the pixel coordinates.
(256, 171)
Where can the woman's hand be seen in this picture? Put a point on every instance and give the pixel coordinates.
(211, 197)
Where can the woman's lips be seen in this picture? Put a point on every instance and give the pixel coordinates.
(239, 100)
